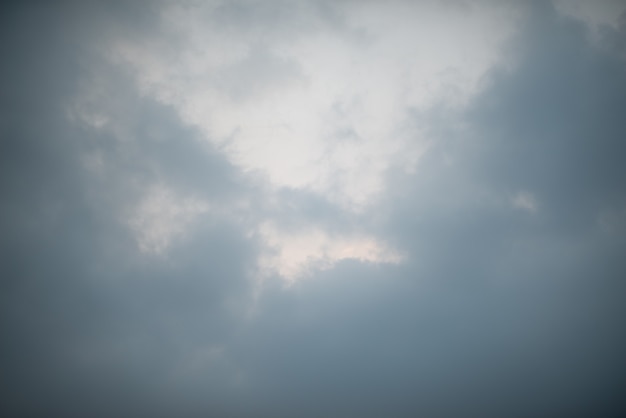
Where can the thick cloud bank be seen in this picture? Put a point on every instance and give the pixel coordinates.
(312, 209)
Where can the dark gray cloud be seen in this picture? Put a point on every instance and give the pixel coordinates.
(556, 122)
(503, 307)
(91, 329)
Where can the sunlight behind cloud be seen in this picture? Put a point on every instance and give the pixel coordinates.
(296, 254)
(312, 208)
(327, 110)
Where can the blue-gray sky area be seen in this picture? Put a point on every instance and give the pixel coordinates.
(313, 209)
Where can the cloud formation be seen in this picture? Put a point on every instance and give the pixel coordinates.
(312, 209)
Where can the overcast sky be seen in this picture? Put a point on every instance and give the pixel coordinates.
(313, 209)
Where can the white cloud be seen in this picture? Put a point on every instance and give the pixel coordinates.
(325, 108)
(295, 254)
(322, 101)
(162, 216)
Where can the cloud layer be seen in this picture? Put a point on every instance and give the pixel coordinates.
(312, 209)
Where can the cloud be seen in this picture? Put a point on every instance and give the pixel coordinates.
(294, 254)
(324, 108)
(525, 201)
(448, 211)
(161, 216)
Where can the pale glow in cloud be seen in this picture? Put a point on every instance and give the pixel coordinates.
(325, 110)
(312, 100)
(526, 201)
(295, 254)
(162, 216)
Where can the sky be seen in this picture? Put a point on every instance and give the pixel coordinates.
(234, 208)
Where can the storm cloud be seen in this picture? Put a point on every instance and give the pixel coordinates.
(312, 209)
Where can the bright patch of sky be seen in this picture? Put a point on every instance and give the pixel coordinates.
(324, 110)
(327, 110)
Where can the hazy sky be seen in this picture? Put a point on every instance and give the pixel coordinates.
(313, 209)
